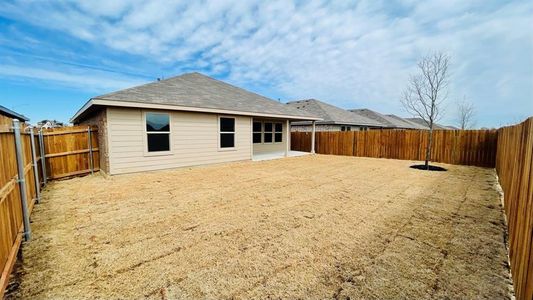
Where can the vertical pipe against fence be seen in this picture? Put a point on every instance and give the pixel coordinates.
(90, 143)
(35, 169)
(313, 132)
(21, 180)
(43, 155)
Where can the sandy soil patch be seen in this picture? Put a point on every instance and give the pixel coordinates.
(304, 227)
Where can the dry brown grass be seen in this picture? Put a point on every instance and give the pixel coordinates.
(305, 227)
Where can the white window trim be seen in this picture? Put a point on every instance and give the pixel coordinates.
(234, 148)
(260, 132)
(146, 133)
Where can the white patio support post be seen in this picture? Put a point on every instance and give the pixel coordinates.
(288, 138)
(21, 181)
(313, 137)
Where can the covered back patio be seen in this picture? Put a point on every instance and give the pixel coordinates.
(271, 139)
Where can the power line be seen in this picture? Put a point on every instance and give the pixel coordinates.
(92, 67)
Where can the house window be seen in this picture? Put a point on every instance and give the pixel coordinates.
(268, 132)
(348, 128)
(257, 127)
(343, 128)
(158, 132)
(278, 132)
(227, 132)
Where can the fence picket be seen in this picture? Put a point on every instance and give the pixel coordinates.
(472, 147)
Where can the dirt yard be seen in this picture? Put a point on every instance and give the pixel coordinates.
(303, 227)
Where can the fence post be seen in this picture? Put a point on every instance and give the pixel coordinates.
(313, 132)
(35, 169)
(43, 154)
(90, 143)
(21, 181)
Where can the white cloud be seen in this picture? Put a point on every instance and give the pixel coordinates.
(347, 53)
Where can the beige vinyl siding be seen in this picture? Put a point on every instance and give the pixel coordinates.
(193, 141)
(264, 148)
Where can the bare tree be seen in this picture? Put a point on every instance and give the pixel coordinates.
(426, 92)
(465, 114)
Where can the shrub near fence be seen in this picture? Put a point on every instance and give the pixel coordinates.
(461, 147)
(514, 165)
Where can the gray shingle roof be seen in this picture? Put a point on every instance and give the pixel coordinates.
(435, 125)
(413, 125)
(388, 121)
(201, 91)
(331, 114)
(8, 112)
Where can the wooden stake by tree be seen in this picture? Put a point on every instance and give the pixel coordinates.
(426, 92)
(465, 114)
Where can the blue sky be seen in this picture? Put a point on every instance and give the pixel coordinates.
(55, 55)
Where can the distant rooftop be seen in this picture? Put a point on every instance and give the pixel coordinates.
(413, 125)
(388, 121)
(435, 125)
(332, 114)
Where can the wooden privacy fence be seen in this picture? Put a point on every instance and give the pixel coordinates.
(67, 152)
(11, 205)
(514, 165)
(461, 147)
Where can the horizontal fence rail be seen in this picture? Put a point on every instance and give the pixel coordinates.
(514, 165)
(71, 151)
(461, 147)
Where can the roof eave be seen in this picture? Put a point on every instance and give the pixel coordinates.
(116, 103)
(13, 114)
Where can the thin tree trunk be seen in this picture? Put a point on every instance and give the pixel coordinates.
(428, 148)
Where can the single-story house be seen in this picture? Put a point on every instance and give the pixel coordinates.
(333, 118)
(388, 121)
(7, 116)
(186, 120)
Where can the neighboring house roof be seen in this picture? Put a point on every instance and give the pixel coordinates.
(413, 125)
(435, 125)
(331, 114)
(9, 113)
(387, 121)
(196, 92)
